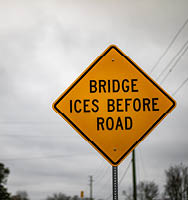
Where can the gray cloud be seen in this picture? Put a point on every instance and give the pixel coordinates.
(44, 46)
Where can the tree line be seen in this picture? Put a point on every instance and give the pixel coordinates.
(175, 188)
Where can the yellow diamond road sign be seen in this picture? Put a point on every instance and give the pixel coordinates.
(114, 105)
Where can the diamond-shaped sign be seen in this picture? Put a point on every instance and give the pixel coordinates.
(114, 104)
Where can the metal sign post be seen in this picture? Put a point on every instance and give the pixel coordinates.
(114, 105)
(115, 182)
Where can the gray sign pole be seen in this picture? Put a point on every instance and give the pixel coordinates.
(115, 182)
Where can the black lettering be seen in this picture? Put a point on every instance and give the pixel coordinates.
(146, 103)
(109, 123)
(133, 85)
(75, 106)
(100, 123)
(119, 103)
(108, 85)
(70, 106)
(127, 104)
(110, 105)
(119, 124)
(136, 104)
(125, 87)
(129, 125)
(115, 86)
(94, 102)
(154, 104)
(86, 105)
(102, 84)
(92, 85)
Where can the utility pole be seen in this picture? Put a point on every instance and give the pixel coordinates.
(134, 175)
(91, 187)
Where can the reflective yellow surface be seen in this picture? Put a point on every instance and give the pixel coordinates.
(113, 104)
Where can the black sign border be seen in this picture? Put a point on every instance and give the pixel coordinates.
(84, 135)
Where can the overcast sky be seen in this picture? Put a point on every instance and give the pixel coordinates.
(44, 46)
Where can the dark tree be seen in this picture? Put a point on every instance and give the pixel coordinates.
(59, 196)
(176, 187)
(4, 172)
(147, 190)
(128, 194)
(20, 195)
(75, 197)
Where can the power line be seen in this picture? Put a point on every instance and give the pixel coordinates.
(142, 163)
(182, 84)
(103, 175)
(125, 172)
(174, 65)
(169, 46)
(98, 179)
(121, 179)
(104, 183)
(98, 171)
(171, 61)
